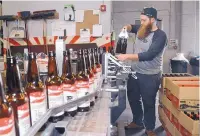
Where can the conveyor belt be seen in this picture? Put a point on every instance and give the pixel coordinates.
(94, 122)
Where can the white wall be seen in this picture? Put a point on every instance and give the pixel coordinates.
(126, 13)
(190, 27)
(35, 27)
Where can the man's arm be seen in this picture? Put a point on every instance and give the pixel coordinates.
(123, 57)
(156, 47)
(158, 44)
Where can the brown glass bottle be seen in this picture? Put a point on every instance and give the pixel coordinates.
(54, 88)
(82, 83)
(17, 97)
(94, 69)
(98, 65)
(100, 55)
(69, 86)
(104, 49)
(91, 75)
(7, 123)
(36, 91)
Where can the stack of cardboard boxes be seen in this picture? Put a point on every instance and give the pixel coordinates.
(179, 105)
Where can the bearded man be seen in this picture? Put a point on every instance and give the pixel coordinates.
(147, 62)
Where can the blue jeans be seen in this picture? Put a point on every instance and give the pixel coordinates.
(143, 90)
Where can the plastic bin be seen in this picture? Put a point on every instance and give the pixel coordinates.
(194, 62)
(178, 66)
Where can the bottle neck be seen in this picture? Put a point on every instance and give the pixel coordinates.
(64, 69)
(2, 93)
(52, 67)
(97, 57)
(84, 64)
(69, 66)
(79, 63)
(100, 56)
(93, 60)
(89, 61)
(67, 69)
(2, 97)
(32, 75)
(13, 78)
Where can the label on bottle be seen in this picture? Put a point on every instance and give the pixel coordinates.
(55, 96)
(99, 69)
(95, 82)
(91, 85)
(37, 105)
(42, 61)
(23, 118)
(69, 92)
(83, 90)
(7, 126)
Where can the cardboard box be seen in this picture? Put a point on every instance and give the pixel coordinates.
(188, 126)
(167, 106)
(176, 132)
(161, 94)
(172, 112)
(170, 127)
(182, 78)
(162, 116)
(175, 122)
(181, 95)
(168, 94)
(181, 122)
(167, 132)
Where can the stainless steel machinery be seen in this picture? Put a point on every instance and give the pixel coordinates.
(115, 75)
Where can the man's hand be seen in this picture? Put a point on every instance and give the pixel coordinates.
(122, 57)
(124, 28)
(127, 28)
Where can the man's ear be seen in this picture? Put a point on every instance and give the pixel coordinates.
(152, 20)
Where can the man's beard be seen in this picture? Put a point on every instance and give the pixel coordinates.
(144, 31)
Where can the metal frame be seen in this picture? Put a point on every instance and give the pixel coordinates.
(113, 60)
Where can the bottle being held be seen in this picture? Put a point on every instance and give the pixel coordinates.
(7, 122)
(69, 86)
(82, 83)
(17, 97)
(91, 75)
(54, 88)
(36, 91)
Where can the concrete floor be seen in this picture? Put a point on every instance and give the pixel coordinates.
(127, 117)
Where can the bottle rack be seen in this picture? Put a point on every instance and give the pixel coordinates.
(35, 128)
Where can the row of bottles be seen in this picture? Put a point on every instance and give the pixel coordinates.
(71, 86)
(192, 115)
(175, 75)
(21, 108)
